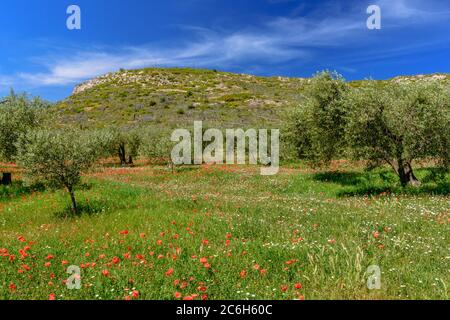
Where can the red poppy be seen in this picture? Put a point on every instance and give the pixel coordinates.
(47, 264)
(188, 298)
(135, 294)
(105, 273)
(12, 287)
(124, 232)
(169, 272)
(205, 242)
(284, 288)
(126, 255)
(115, 260)
(23, 253)
(177, 295)
(52, 296)
(298, 286)
(243, 273)
(203, 260)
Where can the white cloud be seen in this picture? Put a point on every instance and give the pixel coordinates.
(278, 41)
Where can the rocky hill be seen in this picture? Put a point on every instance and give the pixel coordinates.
(168, 98)
(176, 97)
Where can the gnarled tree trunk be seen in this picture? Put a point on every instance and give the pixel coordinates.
(405, 172)
(122, 155)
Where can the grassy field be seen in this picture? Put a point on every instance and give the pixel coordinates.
(225, 232)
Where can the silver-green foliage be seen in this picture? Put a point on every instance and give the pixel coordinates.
(18, 114)
(394, 123)
(57, 158)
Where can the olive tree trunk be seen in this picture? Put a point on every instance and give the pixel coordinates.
(72, 198)
(405, 172)
(122, 155)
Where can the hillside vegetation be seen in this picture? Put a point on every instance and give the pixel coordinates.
(175, 97)
(168, 98)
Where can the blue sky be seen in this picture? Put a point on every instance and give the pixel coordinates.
(38, 54)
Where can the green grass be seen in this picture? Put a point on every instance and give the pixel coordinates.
(323, 221)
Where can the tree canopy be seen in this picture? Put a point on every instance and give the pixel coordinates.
(393, 123)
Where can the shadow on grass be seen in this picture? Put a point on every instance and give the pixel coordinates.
(90, 208)
(18, 189)
(383, 182)
(98, 199)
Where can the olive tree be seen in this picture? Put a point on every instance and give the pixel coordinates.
(57, 158)
(316, 129)
(399, 123)
(389, 123)
(156, 146)
(122, 143)
(18, 114)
